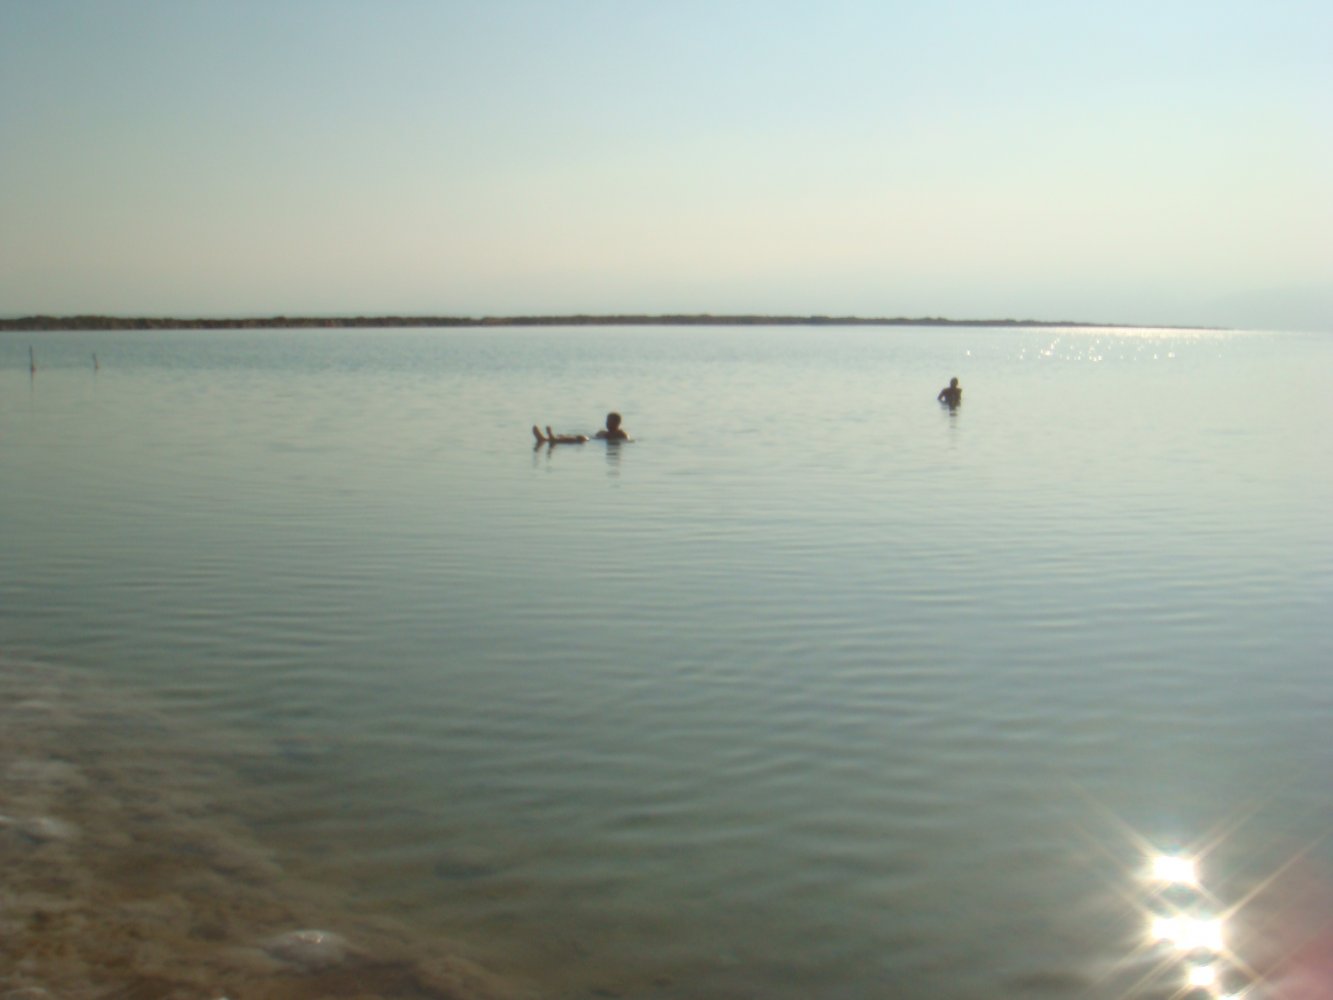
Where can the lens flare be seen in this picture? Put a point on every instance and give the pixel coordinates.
(1175, 870)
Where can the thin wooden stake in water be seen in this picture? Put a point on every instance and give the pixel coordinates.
(96, 366)
(32, 361)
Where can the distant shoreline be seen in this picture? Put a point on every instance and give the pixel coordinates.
(45, 323)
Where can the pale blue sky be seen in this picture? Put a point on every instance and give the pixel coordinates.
(1132, 162)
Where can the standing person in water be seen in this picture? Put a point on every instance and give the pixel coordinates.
(951, 393)
(613, 432)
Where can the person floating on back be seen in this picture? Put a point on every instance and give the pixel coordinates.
(551, 437)
(952, 394)
(613, 432)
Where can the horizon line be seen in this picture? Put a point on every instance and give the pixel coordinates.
(101, 321)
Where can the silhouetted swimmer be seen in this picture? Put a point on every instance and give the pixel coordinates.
(952, 394)
(612, 432)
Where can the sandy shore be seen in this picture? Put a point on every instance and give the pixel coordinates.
(126, 875)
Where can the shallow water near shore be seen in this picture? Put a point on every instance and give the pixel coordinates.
(132, 866)
(816, 689)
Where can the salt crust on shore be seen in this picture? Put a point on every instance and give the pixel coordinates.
(123, 875)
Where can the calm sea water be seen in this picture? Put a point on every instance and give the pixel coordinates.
(816, 689)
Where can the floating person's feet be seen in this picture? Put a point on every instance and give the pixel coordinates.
(552, 438)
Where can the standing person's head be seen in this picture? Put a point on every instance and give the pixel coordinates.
(613, 421)
(953, 383)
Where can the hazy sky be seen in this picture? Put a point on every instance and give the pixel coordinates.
(1161, 161)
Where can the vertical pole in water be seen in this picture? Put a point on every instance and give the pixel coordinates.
(32, 361)
(96, 366)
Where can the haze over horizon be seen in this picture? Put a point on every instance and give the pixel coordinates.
(1135, 163)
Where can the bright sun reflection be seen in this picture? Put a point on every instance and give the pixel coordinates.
(1175, 870)
(1202, 975)
(1189, 933)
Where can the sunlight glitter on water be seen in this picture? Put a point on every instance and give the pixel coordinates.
(1189, 934)
(1175, 870)
(1187, 920)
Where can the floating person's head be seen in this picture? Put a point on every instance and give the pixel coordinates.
(612, 421)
